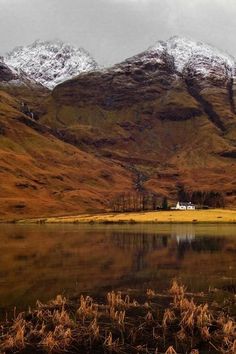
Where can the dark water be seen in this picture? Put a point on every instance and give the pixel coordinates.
(41, 261)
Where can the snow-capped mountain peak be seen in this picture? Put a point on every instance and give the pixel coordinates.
(186, 51)
(50, 62)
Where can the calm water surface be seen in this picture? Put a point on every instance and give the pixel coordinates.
(41, 261)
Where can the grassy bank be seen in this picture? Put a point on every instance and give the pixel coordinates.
(171, 216)
(173, 322)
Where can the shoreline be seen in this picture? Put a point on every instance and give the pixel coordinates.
(210, 216)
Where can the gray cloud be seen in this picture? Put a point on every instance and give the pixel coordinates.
(112, 30)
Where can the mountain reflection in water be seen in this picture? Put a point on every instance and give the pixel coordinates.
(181, 240)
(40, 261)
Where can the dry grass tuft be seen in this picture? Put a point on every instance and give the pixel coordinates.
(173, 323)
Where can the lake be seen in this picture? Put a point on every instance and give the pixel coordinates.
(41, 261)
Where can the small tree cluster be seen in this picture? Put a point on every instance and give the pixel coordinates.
(214, 199)
(165, 204)
(126, 202)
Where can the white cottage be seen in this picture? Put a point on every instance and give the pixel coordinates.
(185, 206)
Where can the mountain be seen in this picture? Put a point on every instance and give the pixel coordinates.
(16, 83)
(167, 114)
(50, 62)
(41, 174)
(161, 122)
(10, 77)
(204, 57)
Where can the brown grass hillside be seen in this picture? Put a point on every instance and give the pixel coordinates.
(41, 175)
(153, 138)
(139, 126)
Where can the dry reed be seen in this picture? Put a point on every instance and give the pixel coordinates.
(122, 325)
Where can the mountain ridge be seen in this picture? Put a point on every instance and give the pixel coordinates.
(160, 120)
(183, 48)
(144, 126)
(50, 62)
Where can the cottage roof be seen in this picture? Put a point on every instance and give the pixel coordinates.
(186, 204)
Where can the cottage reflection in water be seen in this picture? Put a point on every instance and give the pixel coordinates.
(39, 262)
(182, 239)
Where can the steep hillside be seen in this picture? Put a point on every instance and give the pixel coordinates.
(168, 114)
(41, 175)
(26, 90)
(50, 62)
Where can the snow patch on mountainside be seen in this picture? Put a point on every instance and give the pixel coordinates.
(188, 52)
(50, 62)
(12, 77)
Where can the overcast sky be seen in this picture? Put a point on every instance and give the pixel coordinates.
(112, 30)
